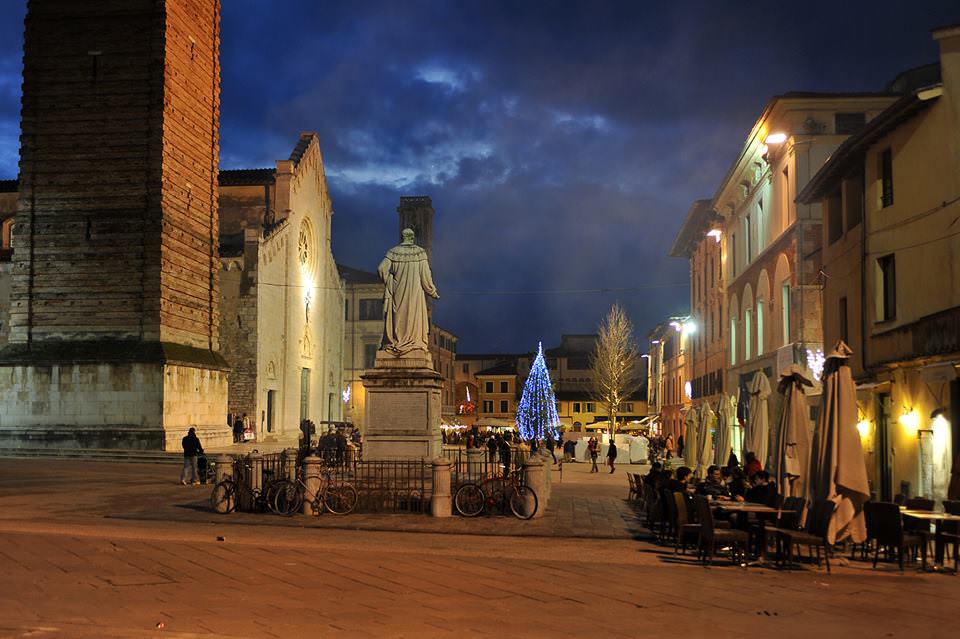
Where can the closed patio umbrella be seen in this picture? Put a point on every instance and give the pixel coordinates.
(758, 421)
(726, 418)
(690, 449)
(837, 468)
(792, 457)
(708, 423)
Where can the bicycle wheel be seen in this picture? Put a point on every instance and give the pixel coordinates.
(340, 499)
(469, 500)
(492, 489)
(287, 498)
(523, 502)
(223, 499)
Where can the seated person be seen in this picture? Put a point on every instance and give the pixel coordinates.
(650, 478)
(736, 482)
(714, 486)
(763, 491)
(753, 465)
(682, 480)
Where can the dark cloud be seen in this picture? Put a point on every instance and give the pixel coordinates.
(562, 142)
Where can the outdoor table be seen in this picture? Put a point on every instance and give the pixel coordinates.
(938, 518)
(748, 507)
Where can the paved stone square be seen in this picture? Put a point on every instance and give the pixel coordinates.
(81, 560)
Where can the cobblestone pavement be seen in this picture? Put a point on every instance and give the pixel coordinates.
(71, 572)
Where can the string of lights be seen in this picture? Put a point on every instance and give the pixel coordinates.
(537, 411)
(543, 291)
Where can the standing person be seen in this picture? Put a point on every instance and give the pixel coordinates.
(592, 449)
(669, 446)
(505, 455)
(237, 430)
(191, 451)
(612, 455)
(246, 427)
(550, 447)
(680, 445)
(492, 446)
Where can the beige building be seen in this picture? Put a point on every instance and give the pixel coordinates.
(771, 244)
(706, 361)
(668, 383)
(890, 198)
(281, 297)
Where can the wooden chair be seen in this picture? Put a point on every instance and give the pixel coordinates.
(684, 527)
(951, 530)
(668, 522)
(814, 534)
(632, 493)
(889, 533)
(711, 536)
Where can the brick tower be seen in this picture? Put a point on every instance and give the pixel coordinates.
(114, 323)
(416, 212)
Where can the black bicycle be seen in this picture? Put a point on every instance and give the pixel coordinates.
(228, 493)
(335, 495)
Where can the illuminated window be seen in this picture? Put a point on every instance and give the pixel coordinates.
(747, 333)
(785, 310)
(759, 327)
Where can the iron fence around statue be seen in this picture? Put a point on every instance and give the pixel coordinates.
(466, 468)
(388, 485)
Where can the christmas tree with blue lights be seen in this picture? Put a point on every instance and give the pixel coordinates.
(537, 412)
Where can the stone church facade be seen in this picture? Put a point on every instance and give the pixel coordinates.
(281, 296)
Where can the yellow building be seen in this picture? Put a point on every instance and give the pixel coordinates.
(771, 244)
(890, 199)
(699, 242)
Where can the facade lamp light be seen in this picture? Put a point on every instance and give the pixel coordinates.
(715, 234)
(677, 325)
(775, 138)
(689, 327)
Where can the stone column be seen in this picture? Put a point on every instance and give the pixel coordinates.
(224, 467)
(253, 476)
(533, 477)
(547, 460)
(311, 479)
(290, 463)
(440, 505)
(475, 463)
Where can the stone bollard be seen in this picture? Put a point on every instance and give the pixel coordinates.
(311, 479)
(440, 505)
(533, 478)
(547, 460)
(254, 479)
(475, 463)
(224, 467)
(290, 463)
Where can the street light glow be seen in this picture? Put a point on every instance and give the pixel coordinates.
(775, 138)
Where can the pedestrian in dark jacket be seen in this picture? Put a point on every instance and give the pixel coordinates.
(191, 451)
(612, 455)
(505, 455)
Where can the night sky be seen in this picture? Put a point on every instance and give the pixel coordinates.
(562, 142)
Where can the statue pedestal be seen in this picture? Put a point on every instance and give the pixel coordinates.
(403, 409)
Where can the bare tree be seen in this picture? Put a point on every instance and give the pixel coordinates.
(615, 364)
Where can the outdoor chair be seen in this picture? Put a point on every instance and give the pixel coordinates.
(890, 535)
(653, 507)
(684, 527)
(814, 534)
(951, 530)
(633, 492)
(711, 536)
(918, 526)
(870, 518)
(668, 520)
(638, 488)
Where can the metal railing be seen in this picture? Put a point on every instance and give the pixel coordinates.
(474, 469)
(390, 485)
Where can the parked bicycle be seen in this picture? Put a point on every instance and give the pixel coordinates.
(335, 495)
(229, 493)
(497, 495)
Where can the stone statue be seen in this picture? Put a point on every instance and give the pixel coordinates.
(405, 272)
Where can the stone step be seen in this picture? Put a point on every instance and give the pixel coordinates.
(95, 454)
